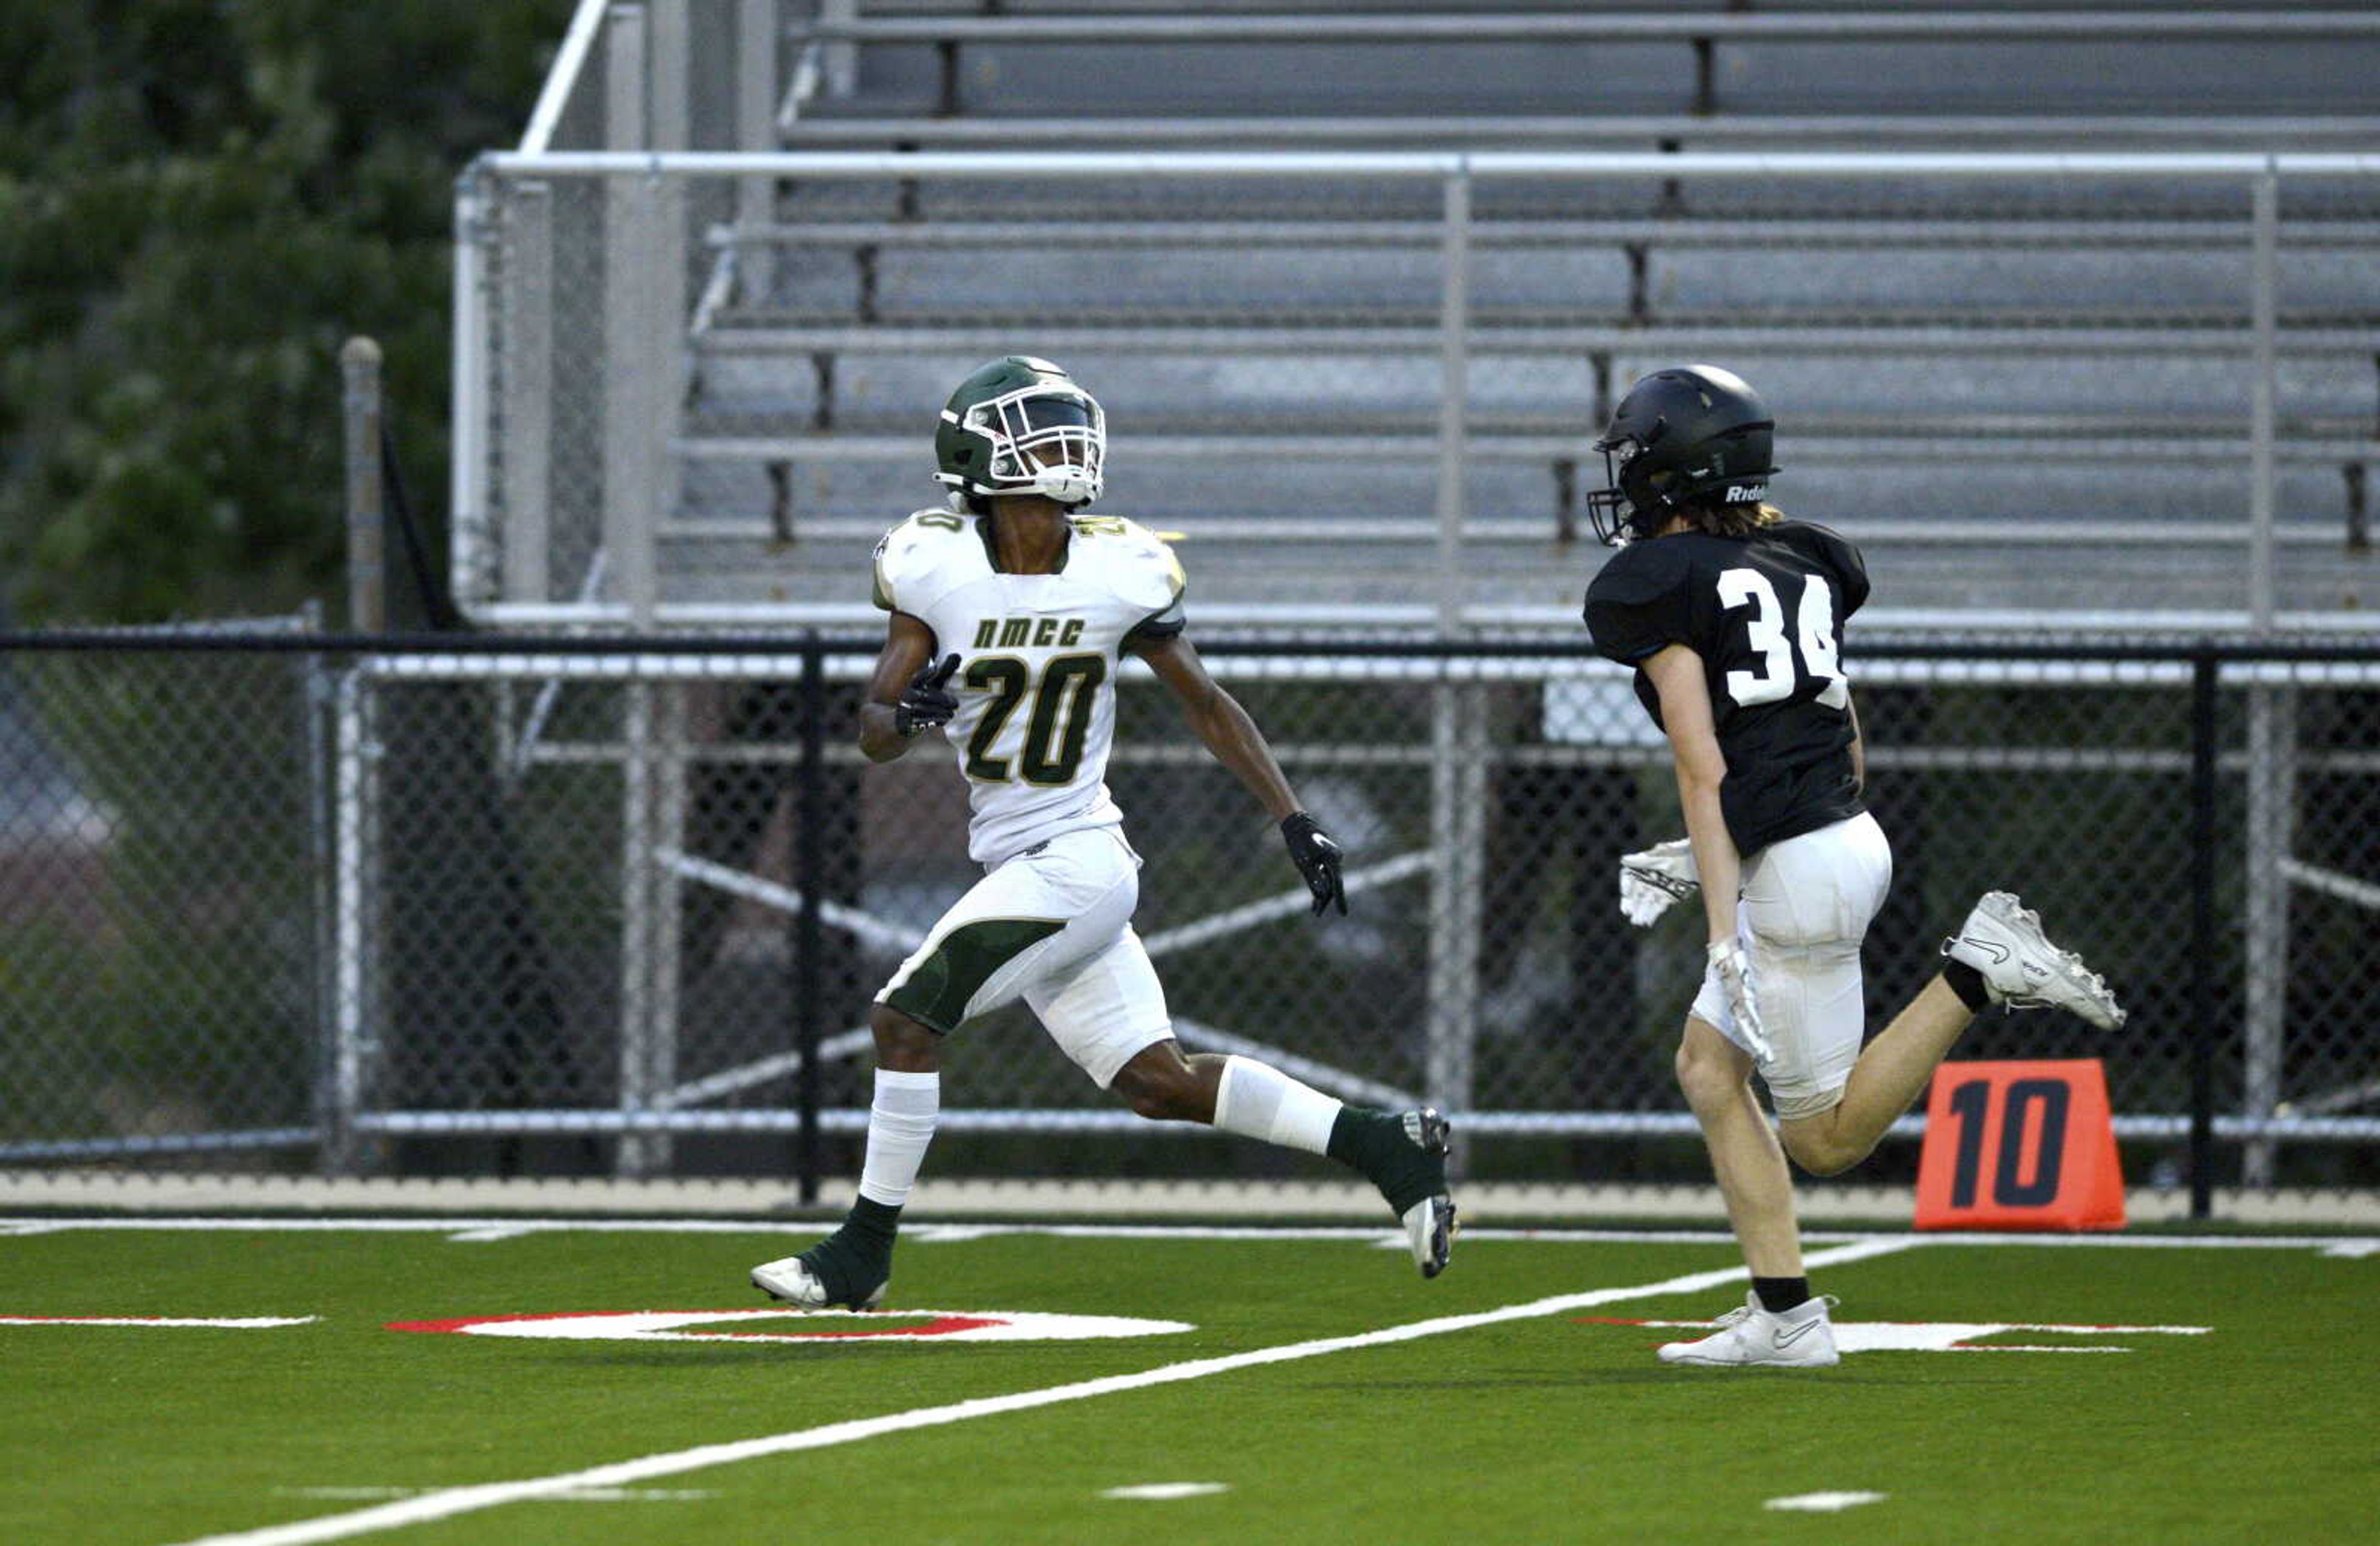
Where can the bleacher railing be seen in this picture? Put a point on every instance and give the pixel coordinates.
(686, 366)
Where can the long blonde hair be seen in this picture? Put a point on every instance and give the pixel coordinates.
(1713, 518)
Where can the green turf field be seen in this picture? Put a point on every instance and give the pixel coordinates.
(1501, 1405)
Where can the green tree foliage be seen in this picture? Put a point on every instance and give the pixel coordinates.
(198, 200)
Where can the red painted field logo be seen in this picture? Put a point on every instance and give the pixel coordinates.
(816, 1326)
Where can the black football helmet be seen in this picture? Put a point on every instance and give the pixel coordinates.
(1682, 434)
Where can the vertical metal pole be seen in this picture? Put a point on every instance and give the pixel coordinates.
(367, 528)
(809, 865)
(2272, 793)
(1454, 342)
(668, 894)
(841, 62)
(469, 571)
(2265, 303)
(636, 1154)
(655, 742)
(315, 684)
(630, 483)
(634, 293)
(528, 392)
(351, 1016)
(1455, 776)
(669, 39)
(2204, 1025)
(1459, 1056)
(2271, 729)
(675, 284)
(756, 130)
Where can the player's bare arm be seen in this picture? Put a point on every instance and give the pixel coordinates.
(1859, 745)
(1677, 674)
(1228, 731)
(885, 731)
(1219, 722)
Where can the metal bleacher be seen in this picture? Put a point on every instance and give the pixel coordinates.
(2025, 390)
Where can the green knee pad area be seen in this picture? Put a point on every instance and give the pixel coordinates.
(936, 994)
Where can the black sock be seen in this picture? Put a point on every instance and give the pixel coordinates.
(874, 1219)
(1968, 984)
(1781, 1294)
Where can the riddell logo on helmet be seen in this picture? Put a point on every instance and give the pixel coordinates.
(1743, 493)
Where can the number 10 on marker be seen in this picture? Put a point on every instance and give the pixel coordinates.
(2020, 1145)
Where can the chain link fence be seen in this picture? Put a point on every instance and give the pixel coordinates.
(516, 908)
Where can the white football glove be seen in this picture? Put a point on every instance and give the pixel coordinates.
(1649, 881)
(1729, 959)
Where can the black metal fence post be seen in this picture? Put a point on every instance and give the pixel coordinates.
(2203, 751)
(809, 868)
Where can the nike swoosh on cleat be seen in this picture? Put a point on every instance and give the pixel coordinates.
(1999, 951)
(1782, 1339)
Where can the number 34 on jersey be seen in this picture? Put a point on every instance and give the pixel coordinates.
(1811, 641)
(1765, 613)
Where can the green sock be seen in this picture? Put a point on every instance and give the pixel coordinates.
(1355, 1132)
(876, 1222)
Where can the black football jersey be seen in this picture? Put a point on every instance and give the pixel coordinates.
(1765, 613)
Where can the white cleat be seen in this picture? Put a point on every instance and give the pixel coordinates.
(1429, 1230)
(1749, 1336)
(790, 1279)
(2002, 940)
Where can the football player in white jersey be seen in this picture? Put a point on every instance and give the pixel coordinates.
(1010, 617)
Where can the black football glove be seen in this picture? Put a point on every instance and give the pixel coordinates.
(1316, 859)
(926, 702)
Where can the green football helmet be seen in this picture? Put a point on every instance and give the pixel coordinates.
(1020, 425)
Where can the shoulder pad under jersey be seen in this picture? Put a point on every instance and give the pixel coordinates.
(1835, 553)
(923, 557)
(1136, 564)
(1638, 603)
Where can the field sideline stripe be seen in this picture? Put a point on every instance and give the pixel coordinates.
(447, 1504)
(927, 1232)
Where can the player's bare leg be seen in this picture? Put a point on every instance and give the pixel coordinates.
(1404, 1153)
(1998, 956)
(1892, 1071)
(1715, 1074)
(1780, 1324)
(1164, 1084)
(852, 1266)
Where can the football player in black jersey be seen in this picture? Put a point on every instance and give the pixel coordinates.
(1732, 616)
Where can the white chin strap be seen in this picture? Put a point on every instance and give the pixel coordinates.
(1067, 484)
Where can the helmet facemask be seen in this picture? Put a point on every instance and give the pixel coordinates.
(1045, 439)
(1628, 506)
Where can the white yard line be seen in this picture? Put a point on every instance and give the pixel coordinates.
(491, 1229)
(1825, 1502)
(456, 1501)
(591, 1495)
(233, 1323)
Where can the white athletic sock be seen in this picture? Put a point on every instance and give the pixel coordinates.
(900, 1125)
(1260, 1101)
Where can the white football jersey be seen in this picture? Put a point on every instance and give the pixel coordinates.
(1038, 661)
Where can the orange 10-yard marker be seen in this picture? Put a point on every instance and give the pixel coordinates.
(2020, 1145)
